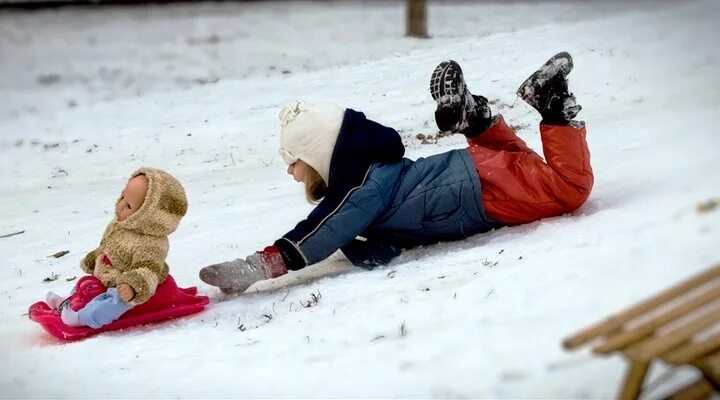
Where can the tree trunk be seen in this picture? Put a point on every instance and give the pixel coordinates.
(417, 19)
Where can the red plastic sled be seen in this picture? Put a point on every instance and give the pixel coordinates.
(168, 302)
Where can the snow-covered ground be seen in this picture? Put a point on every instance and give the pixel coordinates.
(88, 96)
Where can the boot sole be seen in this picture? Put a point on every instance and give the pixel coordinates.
(559, 63)
(439, 79)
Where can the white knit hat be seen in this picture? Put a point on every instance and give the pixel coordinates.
(309, 132)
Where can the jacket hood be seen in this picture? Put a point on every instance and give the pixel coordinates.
(361, 143)
(165, 204)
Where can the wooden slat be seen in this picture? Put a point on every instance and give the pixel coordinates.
(658, 345)
(698, 390)
(710, 368)
(711, 365)
(633, 380)
(616, 321)
(693, 351)
(623, 339)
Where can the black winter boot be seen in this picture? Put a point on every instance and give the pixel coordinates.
(546, 90)
(458, 110)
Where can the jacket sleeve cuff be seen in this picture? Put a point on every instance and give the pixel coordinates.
(143, 281)
(272, 262)
(88, 262)
(291, 254)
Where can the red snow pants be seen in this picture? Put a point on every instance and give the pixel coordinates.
(518, 186)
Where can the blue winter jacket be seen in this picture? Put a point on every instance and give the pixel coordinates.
(389, 201)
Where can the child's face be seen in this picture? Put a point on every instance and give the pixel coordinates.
(132, 197)
(297, 170)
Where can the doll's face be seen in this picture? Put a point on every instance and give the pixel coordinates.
(132, 197)
(297, 170)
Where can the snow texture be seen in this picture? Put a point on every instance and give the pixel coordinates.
(87, 96)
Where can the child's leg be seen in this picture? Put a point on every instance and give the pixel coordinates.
(102, 310)
(566, 152)
(499, 137)
(519, 187)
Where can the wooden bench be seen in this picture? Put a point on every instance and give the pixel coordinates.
(680, 326)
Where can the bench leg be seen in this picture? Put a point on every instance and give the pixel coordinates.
(698, 390)
(712, 380)
(634, 379)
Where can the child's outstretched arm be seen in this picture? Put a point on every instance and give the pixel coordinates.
(324, 231)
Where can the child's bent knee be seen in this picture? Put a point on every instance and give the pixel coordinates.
(575, 197)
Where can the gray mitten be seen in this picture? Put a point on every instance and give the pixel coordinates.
(235, 276)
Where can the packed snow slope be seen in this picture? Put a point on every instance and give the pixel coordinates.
(482, 317)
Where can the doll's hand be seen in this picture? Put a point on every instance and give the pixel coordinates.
(126, 292)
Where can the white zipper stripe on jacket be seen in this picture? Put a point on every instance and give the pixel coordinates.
(336, 208)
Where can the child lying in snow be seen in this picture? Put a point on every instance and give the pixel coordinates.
(355, 168)
(130, 260)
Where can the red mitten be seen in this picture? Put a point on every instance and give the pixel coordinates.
(271, 260)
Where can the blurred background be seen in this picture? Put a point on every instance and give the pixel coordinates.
(66, 53)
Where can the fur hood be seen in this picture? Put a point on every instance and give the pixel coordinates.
(165, 204)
